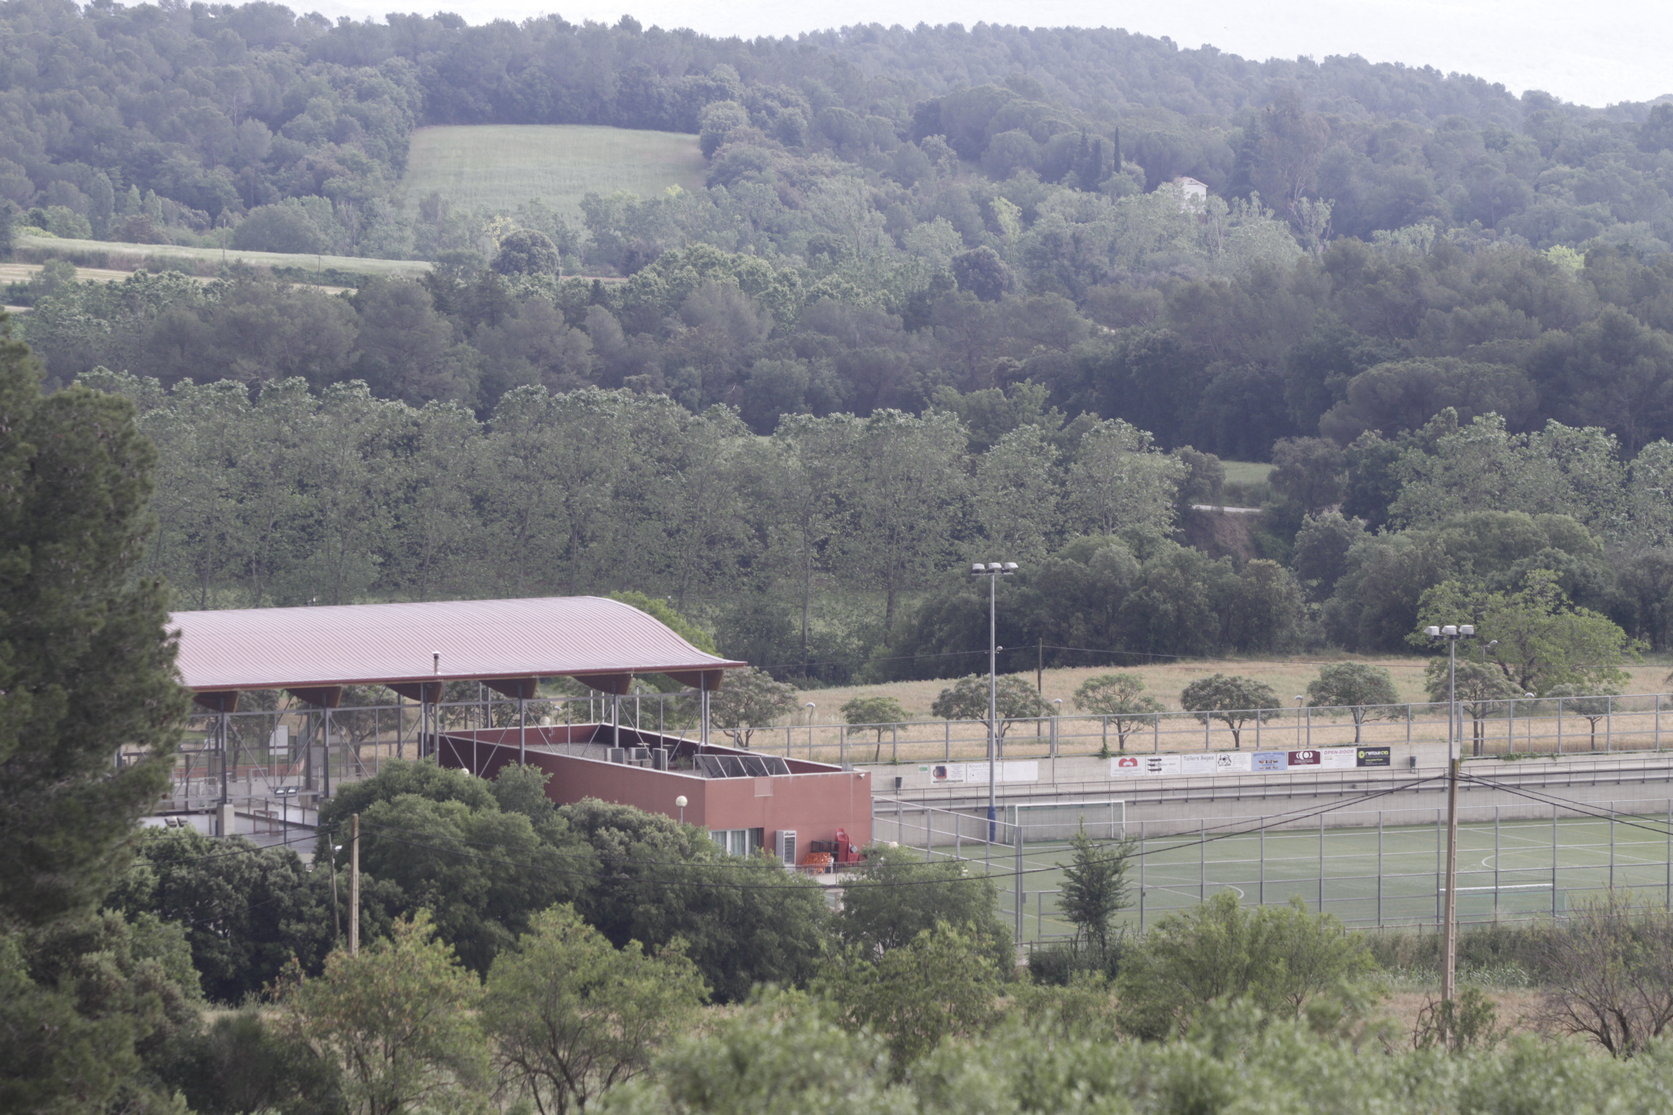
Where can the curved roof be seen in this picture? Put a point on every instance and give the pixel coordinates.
(382, 644)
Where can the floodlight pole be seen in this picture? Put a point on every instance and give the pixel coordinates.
(1449, 907)
(993, 570)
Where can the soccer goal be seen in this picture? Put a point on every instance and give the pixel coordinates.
(1053, 822)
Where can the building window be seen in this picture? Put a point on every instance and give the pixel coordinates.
(739, 842)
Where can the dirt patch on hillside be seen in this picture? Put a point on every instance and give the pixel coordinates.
(1221, 532)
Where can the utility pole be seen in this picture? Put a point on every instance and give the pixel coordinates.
(993, 570)
(1449, 908)
(354, 884)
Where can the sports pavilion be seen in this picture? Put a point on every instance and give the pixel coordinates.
(415, 650)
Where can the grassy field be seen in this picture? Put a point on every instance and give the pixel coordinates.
(1288, 676)
(1366, 877)
(502, 166)
(1246, 472)
(125, 258)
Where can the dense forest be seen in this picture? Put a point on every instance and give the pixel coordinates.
(939, 299)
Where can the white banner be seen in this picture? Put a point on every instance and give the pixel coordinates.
(1338, 758)
(1018, 770)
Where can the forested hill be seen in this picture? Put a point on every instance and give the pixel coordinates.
(1417, 295)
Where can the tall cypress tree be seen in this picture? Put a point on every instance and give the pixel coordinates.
(86, 665)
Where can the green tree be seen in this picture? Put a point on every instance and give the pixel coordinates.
(92, 1009)
(1592, 705)
(1230, 698)
(89, 705)
(897, 895)
(430, 856)
(400, 1019)
(1119, 480)
(1481, 689)
(573, 1016)
(1366, 691)
(872, 714)
(743, 921)
(1095, 888)
(1016, 492)
(1280, 958)
(938, 985)
(244, 1061)
(1610, 966)
(1533, 634)
(526, 251)
(783, 1051)
(750, 699)
(1119, 699)
(968, 698)
(246, 911)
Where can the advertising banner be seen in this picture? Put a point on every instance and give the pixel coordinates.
(1161, 764)
(1338, 758)
(1021, 770)
(1201, 762)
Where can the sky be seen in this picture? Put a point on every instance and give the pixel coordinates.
(1594, 53)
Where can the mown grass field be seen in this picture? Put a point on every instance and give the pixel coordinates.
(119, 257)
(1247, 472)
(502, 166)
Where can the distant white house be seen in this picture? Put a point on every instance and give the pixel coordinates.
(1192, 193)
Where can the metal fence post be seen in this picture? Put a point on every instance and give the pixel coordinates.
(1380, 866)
(1142, 858)
(1017, 839)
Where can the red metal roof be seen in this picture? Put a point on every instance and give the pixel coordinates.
(371, 644)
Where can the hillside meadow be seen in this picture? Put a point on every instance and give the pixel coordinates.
(104, 256)
(500, 167)
(1164, 680)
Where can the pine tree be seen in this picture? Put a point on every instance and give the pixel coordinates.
(86, 665)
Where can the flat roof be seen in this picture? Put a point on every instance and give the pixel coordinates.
(454, 640)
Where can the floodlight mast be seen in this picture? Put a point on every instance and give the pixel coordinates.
(993, 570)
(1449, 907)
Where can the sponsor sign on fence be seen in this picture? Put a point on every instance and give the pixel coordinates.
(1246, 762)
(1022, 770)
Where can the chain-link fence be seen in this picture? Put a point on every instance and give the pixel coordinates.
(1520, 726)
(1369, 868)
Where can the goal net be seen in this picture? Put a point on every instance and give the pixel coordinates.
(1053, 822)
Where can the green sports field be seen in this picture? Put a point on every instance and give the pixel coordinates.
(1365, 876)
(499, 167)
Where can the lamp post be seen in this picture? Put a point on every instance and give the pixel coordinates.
(809, 707)
(993, 570)
(679, 803)
(1449, 909)
(284, 794)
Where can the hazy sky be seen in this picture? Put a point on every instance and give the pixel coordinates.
(1590, 53)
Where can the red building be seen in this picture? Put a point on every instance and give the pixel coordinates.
(509, 646)
(792, 807)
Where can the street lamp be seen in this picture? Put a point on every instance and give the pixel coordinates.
(679, 803)
(993, 570)
(1449, 910)
(284, 794)
(809, 707)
